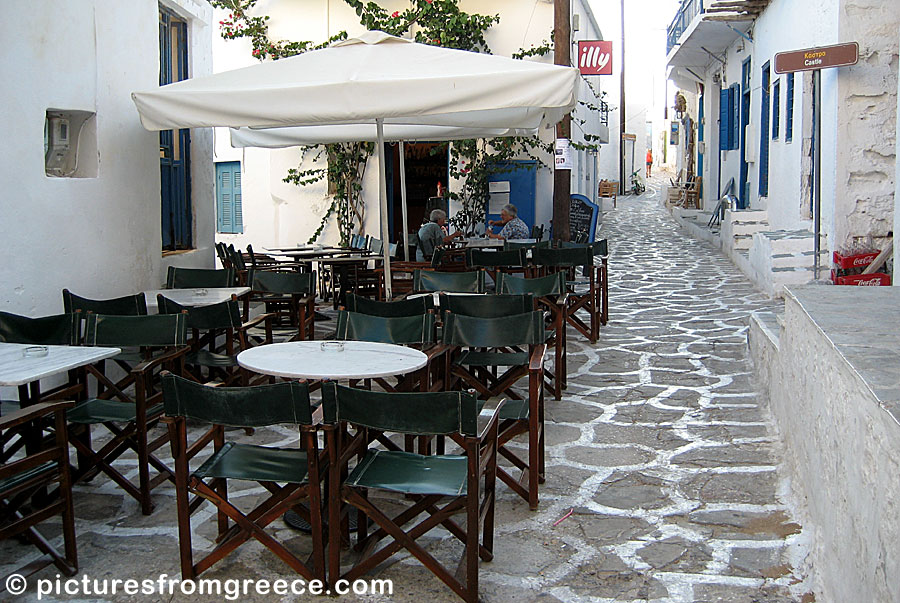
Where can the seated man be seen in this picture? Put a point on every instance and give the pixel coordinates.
(513, 227)
(432, 235)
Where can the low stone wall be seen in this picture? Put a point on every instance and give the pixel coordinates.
(832, 376)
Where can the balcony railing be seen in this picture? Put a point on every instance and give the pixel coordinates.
(689, 9)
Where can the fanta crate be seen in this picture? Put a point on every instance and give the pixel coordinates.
(845, 262)
(876, 279)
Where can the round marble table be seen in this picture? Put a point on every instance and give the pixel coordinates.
(307, 360)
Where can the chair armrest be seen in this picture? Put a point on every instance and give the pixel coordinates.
(149, 365)
(435, 350)
(489, 415)
(255, 321)
(34, 411)
(536, 362)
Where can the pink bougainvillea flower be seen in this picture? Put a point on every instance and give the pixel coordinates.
(395, 14)
(429, 1)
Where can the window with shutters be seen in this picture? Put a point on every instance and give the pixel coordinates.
(776, 109)
(229, 218)
(764, 132)
(174, 145)
(789, 109)
(729, 118)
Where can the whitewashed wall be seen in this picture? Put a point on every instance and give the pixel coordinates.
(99, 236)
(277, 214)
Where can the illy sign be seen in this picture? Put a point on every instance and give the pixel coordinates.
(595, 57)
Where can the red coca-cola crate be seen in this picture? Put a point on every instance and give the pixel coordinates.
(846, 262)
(876, 279)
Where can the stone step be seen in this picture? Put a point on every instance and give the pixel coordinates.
(742, 241)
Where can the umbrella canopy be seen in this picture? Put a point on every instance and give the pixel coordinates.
(361, 79)
(373, 78)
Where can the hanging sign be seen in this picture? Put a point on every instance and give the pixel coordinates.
(595, 57)
(563, 154)
(822, 57)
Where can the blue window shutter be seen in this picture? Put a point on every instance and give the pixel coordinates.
(724, 119)
(789, 109)
(238, 214)
(734, 99)
(764, 124)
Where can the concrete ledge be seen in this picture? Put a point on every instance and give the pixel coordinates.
(833, 379)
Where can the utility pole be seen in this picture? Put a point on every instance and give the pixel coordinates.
(622, 108)
(562, 184)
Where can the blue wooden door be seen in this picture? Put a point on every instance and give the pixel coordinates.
(515, 183)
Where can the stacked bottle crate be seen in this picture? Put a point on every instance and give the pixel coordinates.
(849, 264)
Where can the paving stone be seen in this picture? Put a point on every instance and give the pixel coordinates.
(716, 593)
(646, 414)
(726, 456)
(632, 490)
(676, 555)
(663, 439)
(609, 457)
(751, 488)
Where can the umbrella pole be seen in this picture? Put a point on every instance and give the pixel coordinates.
(403, 201)
(382, 191)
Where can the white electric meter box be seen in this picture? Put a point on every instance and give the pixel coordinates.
(70, 143)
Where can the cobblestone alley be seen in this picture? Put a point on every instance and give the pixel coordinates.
(660, 448)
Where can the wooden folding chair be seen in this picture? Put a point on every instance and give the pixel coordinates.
(298, 469)
(23, 477)
(286, 293)
(482, 344)
(130, 407)
(468, 479)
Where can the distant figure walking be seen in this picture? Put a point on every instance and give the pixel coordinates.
(649, 161)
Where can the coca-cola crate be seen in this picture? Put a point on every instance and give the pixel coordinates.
(876, 279)
(845, 262)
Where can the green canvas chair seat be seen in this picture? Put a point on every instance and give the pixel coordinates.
(255, 463)
(409, 473)
(425, 281)
(11, 484)
(512, 410)
(287, 475)
(206, 358)
(290, 294)
(96, 410)
(467, 479)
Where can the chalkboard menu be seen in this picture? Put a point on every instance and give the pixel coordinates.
(582, 218)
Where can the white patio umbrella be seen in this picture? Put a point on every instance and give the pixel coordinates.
(276, 138)
(373, 78)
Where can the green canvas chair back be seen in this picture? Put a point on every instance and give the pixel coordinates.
(257, 406)
(451, 282)
(507, 245)
(223, 315)
(284, 283)
(537, 232)
(398, 329)
(157, 330)
(237, 258)
(129, 305)
(417, 306)
(59, 329)
(601, 248)
(438, 257)
(515, 330)
(188, 278)
(488, 306)
(566, 257)
(542, 286)
(435, 413)
(513, 258)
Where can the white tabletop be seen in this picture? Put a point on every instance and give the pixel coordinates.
(480, 242)
(18, 369)
(307, 360)
(194, 297)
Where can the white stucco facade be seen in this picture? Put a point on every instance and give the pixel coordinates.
(858, 125)
(279, 214)
(98, 234)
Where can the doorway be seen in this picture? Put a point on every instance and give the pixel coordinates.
(744, 192)
(427, 164)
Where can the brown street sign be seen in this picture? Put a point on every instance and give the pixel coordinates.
(823, 57)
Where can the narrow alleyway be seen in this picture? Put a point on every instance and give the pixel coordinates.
(660, 449)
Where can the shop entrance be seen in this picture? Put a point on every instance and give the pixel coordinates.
(427, 164)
